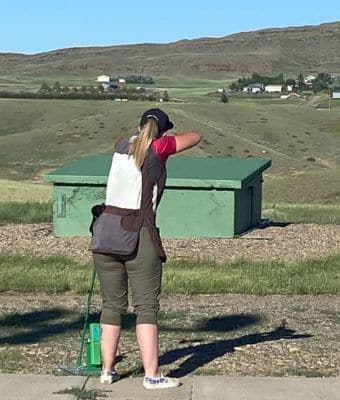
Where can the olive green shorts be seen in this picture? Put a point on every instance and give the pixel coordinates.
(142, 272)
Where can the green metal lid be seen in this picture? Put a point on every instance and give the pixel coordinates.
(182, 171)
(92, 170)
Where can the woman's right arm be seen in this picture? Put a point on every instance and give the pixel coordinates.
(186, 140)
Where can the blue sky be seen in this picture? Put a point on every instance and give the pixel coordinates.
(32, 26)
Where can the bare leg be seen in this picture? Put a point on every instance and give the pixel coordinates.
(147, 338)
(109, 343)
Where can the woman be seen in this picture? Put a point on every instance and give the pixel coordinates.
(135, 186)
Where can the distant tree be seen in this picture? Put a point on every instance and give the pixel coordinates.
(74, 89)
(224, 97)
(324, 77)
(165, 96)
(290, 81)
(83, 89)
(56, 88)
(301, 81)
(65, 89)
(92, 90)
(100, 89)
(45, 89)
(234, 86)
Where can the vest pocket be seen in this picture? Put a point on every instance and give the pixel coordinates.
(114, 234)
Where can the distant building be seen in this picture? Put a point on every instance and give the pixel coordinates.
(290, 88)
(273, 88)
(254, 88)
(336, 93)
(335, 76)
(103, 79)
(106, 82)
(121, 80)
(220, 90)
(309, 80)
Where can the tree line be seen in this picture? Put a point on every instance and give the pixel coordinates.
(87, 92)
(322, 81)
(142, 79)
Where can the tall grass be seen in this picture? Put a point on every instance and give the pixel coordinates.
(319, 276)
(25, 212)
(58, 274)
(37, 274)
(24, 191)
(303, 213)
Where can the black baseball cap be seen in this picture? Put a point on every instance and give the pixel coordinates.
(162, 119)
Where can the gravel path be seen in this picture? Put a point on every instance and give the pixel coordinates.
(290, 243)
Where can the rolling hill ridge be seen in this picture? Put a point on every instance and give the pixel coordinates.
(271, 51)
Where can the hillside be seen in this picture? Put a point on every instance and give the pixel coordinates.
(36, 136)
(288, 50)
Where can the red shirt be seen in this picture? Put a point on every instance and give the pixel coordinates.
(164, 146)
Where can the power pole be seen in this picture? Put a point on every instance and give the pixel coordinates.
(329, 100)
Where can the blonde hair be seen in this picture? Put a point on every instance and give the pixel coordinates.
(140, 145)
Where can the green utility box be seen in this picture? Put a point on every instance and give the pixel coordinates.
(204, 197)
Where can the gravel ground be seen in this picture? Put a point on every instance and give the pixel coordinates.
(290, 243)
(211, 334)
(219, 334)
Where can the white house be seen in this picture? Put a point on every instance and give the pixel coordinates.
(254, 88)
(103, 79)
(290, 88)
(309, 79)
(336, 93)
(273, 88)
(121, 80)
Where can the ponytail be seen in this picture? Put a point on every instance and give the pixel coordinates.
(142, 142)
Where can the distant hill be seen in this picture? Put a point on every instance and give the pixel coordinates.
(288, 50)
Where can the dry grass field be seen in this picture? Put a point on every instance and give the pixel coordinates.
(37, 136)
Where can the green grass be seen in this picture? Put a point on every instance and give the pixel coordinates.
(316, 188)
(24, 82)
(58, 274)
(50, 275)
(25, 212)
(12, 359)
(302, 213)
(84, 394)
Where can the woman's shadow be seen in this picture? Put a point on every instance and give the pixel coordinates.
(202, 354)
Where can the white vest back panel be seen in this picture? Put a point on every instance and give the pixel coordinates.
(124, 185)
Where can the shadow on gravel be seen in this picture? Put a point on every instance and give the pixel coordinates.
(204, 353)
(37, 326)
(219, 324)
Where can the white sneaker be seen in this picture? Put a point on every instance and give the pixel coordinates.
(163, 382)
(108, 377)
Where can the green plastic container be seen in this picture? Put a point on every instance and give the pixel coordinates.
(204, 197)
(93, 353)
